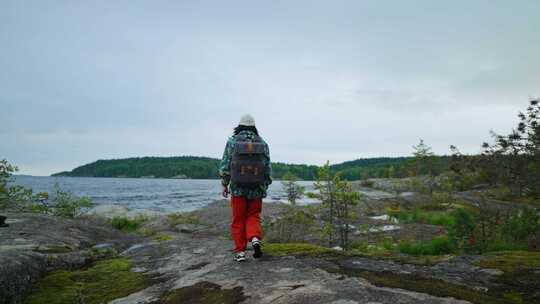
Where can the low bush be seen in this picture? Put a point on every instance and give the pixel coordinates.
(13, 196)
(420, 185)
(480, 231)
(361, 246)
(461, 231)
(64, 203)
(388, 244)
(424, 217)
(126, 224)
(443, 199)
(68, 205)
(511, 261)
(383, 247)
(437, 246)
(488, 231)
(522, 225)
(499, 244)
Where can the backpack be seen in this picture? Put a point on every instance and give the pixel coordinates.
(247, 164)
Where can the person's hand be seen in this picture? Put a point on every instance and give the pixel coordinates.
(225, 192)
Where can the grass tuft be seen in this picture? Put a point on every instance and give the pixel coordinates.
(437, 246)
(511, 261)
(296, 249)
(162, 237)
(126, 224)
(184, 218)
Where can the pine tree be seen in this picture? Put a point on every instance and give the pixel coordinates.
(291, 187)
(423, 158)
(517, 155)
(337, 198)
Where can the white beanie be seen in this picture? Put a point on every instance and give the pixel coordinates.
(247, 120)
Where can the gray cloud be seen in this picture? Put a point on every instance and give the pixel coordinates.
(87, 80)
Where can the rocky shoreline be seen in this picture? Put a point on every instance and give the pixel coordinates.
(181, 260)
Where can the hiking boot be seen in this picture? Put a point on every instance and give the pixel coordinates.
(240, 257)
(257, 247)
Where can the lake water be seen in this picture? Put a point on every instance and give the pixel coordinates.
(161, 195)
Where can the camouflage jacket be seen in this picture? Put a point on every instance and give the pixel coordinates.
(225, 169)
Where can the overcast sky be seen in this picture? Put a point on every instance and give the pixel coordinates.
(325, 80)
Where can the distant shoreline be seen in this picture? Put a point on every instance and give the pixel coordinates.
(195, 167)
(115, 177)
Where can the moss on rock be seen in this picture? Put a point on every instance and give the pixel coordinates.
(105, 281)
(127, 224)
(425, 260)
(431, 286)
(520, 281)
(297, 249)
(511, 261)
(184, 218)
(204, 293)
(163, 237)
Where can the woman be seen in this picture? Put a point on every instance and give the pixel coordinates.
(245, 172)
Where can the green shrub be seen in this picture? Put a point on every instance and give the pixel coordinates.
(424, 217)
(500, 244)
(361, 246)
(479, 232)
(461, 231)
(382, 248)
(441, 219)
(511, 261)
(489, 231)
(420, 185)
(293, 190)
(67, 205)
(126, 224)
(17, 197)
(388, 244)
(521, 225)
(12, 196)
(437, 246)
(443, 199)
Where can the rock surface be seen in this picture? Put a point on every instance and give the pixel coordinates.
(197, 257)
(110, 211)
(35, 244)
(187, 261)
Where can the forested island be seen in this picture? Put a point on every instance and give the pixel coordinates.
(207, 168)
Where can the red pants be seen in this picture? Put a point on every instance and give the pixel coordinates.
(246, 221)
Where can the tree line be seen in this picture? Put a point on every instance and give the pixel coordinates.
(207, 168)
